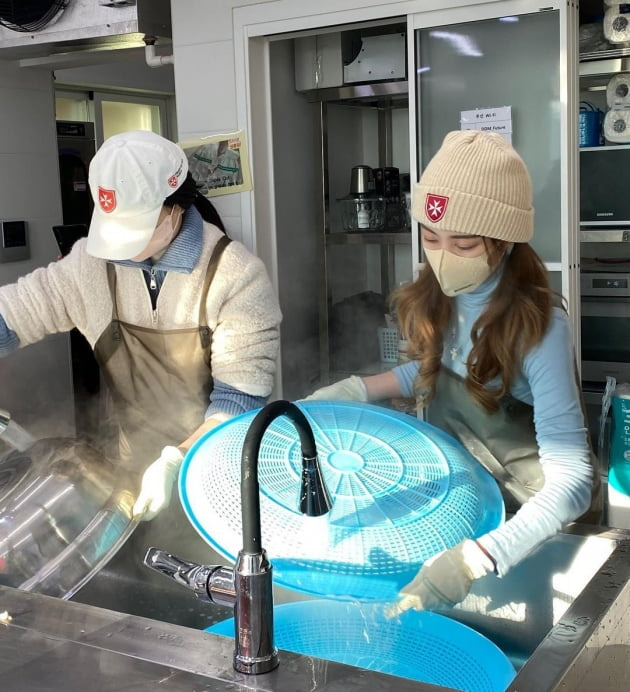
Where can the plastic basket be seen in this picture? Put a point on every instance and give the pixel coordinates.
(421, 646)
(401, 489)
(388, 344)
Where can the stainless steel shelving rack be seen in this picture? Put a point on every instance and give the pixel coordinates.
(385, 97)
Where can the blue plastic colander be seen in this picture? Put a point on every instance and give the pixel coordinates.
(402, 490)
(419, 646)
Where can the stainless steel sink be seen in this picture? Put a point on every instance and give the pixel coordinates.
(561, 616)
(556, 615)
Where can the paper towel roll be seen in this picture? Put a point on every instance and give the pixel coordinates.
(617, 126)
(618, 91)
(617, 24)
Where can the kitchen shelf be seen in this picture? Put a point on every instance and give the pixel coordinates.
(603, 55)
(362, 94)
(594, 76)
(357, 265)
(369, 238)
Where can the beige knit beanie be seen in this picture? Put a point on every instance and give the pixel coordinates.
(476, 183)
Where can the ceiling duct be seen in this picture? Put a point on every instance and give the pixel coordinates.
(42, 28)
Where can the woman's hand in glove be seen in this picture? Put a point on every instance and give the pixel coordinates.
(157, 484)
(445, 579)
(350, 389)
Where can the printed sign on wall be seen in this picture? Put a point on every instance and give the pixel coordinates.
(497, 120)
(219, 163)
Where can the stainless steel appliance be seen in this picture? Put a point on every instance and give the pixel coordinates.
(605, 319)
(605, 326)
(363, 209)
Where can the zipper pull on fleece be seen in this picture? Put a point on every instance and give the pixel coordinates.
(152, 281)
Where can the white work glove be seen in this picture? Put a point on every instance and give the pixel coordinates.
(350, 389)
(157, 484)
(445, 579)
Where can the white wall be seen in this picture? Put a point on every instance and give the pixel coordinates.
(35, 383)
(204, 80)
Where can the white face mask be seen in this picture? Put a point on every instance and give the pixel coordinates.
(162, 236)
(457, 274)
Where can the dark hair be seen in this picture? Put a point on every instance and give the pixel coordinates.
(188, 194)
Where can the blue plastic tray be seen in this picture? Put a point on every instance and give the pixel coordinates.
(419, 646)
(402, 490)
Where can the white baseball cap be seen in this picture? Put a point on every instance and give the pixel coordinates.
(130, 176)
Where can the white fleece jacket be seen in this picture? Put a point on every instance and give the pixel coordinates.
(241, 307)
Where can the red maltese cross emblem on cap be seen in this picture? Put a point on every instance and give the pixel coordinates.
(173, 180)
(435, 206)
(106, 199)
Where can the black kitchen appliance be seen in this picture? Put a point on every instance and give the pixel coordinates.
(76, 146)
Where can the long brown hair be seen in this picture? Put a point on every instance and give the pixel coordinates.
(515, 320)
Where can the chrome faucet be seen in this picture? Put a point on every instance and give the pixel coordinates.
(248, 586)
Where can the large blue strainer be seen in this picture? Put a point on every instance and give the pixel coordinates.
(419, 646)
(401, 490)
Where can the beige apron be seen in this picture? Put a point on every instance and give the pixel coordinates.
(508, 434)
(159, 380)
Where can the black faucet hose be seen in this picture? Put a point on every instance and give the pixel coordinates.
(250, 498)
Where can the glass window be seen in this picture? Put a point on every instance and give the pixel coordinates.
(113, 112)
(69, 106)
(120, 116)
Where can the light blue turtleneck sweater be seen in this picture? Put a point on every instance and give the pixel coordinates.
(547, 382)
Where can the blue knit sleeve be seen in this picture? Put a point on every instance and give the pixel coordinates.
(9, 341)
(406, 375)
(226, 399)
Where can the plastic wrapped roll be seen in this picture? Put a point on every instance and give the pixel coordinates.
(617, 23)
(619, 459)
(617, 126)
(618, 91)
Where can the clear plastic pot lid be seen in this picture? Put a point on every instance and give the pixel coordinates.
(64, 513)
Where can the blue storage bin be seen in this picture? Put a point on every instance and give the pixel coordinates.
(590, 125)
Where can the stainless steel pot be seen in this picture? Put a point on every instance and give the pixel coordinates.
(65, 510)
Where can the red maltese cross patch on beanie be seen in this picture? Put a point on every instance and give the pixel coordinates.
(435, 206)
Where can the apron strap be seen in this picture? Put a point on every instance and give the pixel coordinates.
(213, 264)
(111, 280)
